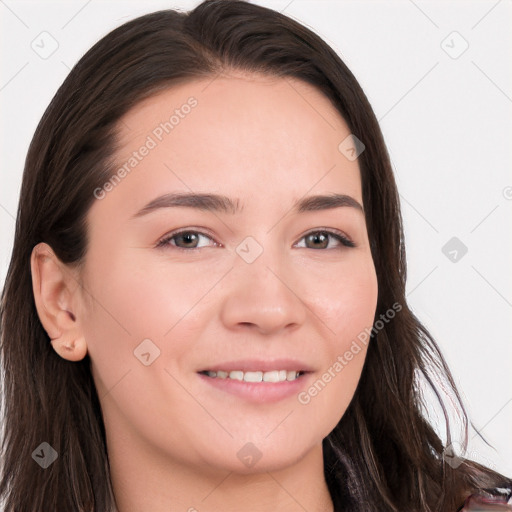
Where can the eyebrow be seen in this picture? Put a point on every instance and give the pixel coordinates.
(221, 203)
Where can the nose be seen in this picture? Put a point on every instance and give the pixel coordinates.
(264, 296)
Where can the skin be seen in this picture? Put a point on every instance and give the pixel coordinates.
(172, 438)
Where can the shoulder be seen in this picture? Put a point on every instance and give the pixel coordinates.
(490, 500)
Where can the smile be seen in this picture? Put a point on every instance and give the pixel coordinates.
(257, 376)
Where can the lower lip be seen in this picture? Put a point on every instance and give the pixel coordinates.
(259, 392)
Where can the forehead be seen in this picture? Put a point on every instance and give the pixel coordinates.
(245, 95)
(251, 134)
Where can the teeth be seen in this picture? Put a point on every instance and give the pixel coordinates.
(272, 376)
(275, 376)
(235, 374)
(292, 375)
(252, 376)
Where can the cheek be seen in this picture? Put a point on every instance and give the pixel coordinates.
(132, 299)
(346, 308)
(345, 300)
(143, 297)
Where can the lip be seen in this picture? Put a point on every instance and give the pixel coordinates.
(264, 365)
(259, 392)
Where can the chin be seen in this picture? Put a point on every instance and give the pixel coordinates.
(260, 457)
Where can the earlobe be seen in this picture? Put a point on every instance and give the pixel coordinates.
(55, 296)
(70, 344)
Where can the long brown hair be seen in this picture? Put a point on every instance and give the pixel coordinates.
(383, 455)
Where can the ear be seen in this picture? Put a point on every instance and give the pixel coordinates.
(56, 295)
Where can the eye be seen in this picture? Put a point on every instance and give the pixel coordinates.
(320, 239)
(186, 239)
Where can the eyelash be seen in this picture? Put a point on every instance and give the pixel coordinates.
(163, 242)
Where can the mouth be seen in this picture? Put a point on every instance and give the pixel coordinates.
(258, 380)
(271, 376)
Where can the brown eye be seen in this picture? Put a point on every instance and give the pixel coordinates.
(322, 239)
(319, 240)
(184, 240)
(188, 239)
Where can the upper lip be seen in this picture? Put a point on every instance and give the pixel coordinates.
(265, 365)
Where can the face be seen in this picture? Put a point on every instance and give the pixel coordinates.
(246, 282)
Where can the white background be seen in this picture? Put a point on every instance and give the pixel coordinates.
(447, 123)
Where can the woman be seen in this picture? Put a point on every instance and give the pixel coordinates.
(206, 300)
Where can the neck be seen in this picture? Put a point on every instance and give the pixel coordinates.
(143, 481)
